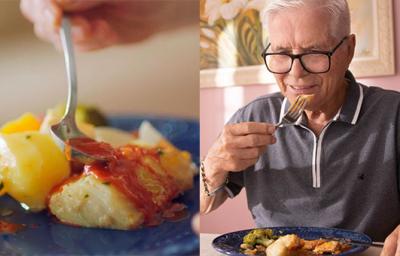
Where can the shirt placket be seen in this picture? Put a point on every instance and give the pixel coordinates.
(316, 155)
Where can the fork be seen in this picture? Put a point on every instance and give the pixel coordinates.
(67, 129)
(294, 112)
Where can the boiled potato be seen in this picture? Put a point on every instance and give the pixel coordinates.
(30, 166)
(89, 202)
(284, 246)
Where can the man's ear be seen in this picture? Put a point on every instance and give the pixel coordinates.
(351, 46)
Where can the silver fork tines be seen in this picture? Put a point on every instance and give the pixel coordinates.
(293, 112)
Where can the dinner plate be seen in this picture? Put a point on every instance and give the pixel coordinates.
(230, 243)
(43, 235)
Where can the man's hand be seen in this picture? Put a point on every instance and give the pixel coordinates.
(238, 147)
(392, 244)
(102, 23)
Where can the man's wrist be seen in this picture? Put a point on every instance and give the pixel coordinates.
(214, 183)
(215, 176)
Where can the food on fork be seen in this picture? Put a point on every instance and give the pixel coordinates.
(134, 188)
(308, 97)
(265, 242)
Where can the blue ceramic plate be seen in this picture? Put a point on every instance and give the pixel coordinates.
(44, 236)
(230, 243)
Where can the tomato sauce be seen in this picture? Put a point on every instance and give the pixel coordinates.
(90, 147)
(10, 228)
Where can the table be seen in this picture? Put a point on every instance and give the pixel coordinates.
(206, 248)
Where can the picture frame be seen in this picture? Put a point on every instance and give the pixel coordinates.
(372, 22)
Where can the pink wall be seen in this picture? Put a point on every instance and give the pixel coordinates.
(218, 104)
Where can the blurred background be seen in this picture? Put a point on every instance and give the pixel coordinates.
(159, 76)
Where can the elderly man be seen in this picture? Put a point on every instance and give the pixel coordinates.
(338, 166)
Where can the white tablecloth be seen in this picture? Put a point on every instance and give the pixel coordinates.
(206, 248)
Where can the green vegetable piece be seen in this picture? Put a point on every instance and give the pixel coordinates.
(259, 236)
(87, 114)
(250, 238)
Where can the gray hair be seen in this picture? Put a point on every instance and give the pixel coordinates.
(337, 9)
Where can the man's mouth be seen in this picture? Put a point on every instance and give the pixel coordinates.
(303, 89)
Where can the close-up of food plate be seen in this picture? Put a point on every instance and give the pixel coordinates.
(230, 243)
(41, 233)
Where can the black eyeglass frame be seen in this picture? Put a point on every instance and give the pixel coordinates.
(264, 54)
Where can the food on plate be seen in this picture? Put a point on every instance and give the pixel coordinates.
(87, 118)
(132, 189)
(27, 122)
(135, 187)
(30, 165)
(84, 114)
(284, 245)
(265, 242)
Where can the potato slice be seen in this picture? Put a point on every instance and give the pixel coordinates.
(89, 202)
(30, 166)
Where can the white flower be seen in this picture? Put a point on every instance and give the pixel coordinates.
(227, 9)
(258, 5)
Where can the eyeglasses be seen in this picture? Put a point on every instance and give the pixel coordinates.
(315, 62)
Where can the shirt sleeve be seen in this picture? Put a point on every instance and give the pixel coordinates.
(235, 184)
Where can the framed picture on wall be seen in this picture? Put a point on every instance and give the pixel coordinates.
(233, 35)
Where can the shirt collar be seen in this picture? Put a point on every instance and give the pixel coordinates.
(350, 110)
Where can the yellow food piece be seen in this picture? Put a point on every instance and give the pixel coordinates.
(26, 122)
(88, 202)
(160, 194)
(30, 166)
(115, 137)
(177, 163)
(53, 117)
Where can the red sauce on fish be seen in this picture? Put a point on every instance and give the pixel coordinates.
(123, 173)
(123, 170)
(10, 228)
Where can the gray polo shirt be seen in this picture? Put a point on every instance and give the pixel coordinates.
(347, 177)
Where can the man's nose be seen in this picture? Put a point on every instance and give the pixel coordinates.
(297, 69)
